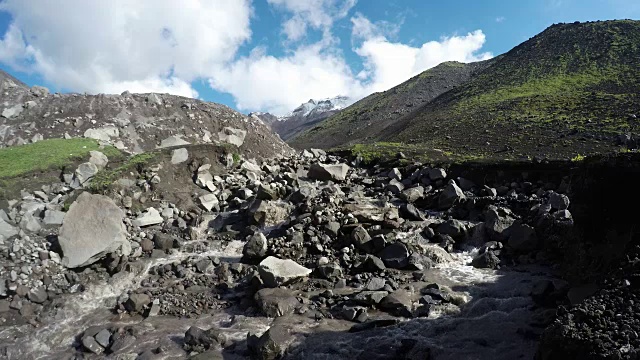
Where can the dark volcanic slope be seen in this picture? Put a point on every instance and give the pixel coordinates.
(363, 119)
(570, 90)
(133, 122)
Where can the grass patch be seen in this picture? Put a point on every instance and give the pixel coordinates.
(48, 154)
(104, 179)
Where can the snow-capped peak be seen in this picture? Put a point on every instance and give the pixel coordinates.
(318, 106)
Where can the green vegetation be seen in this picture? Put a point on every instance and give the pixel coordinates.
(390, 151)
(236, 158)
(104, 179)
(577, 158)
(48, 154)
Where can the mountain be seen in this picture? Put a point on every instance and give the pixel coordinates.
(572, 89)
(132, 122)
(304, 116)
(363, 119)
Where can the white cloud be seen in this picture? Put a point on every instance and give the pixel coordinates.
(317, 14)
(500, 19)
(163, 46)
(112, 46)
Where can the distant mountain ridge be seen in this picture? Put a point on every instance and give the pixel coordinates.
(304, 116)
(572, 89)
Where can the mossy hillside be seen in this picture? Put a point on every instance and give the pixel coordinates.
(104, 179)
(48, 154)
(568, 90)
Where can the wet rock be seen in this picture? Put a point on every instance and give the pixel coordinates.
(103, 338)
(397, 303)
(374, 324)
(178, 156)
(450, 195)
(198, 339)
(274, 302)
(137, 302)
(91, 345)
(523, 238)
(395, 256)
(328, 172)
(256, 247)
(92, 228)
(410, 212)
(272, 344)
(454, 228)
(163, 241)
(148, 218)
(559, 201)
(122, 343)
(369, 297)
(498, 223)
(486, 260)
(329, 271)
(232, 136)
(275, 272)
(204, 266)
(38, 295)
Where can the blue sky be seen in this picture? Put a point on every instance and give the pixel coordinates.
(266, 54)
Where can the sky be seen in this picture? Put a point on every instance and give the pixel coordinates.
(266, 55)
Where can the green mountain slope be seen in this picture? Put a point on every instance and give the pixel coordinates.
(363, 119)
(569, 90)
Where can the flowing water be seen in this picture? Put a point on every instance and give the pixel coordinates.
(494, 322)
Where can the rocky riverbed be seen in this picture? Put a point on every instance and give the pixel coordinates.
(309, 256)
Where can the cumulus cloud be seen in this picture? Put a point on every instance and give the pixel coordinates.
(112, 46)
(317, 14)
(164, 46)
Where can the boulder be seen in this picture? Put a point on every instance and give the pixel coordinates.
(103, 134)
(412, 194)
(397, 303)
(85, 172)
(92, 228)
(498, 223)
(38, 295)
(437, 174)
(559, 201)
(410, 212)
(12, 112)
(450, 195)
(256, 247)
(53, 217)
(328, 172)
(275, 272)
(523, 238)
(272, 344)
(361, 239)
(175, 140)
(7, 230)
(148, 218)
(232, 136)
(154, 99)
(198, 339)
(98, 159)
(179, 156)
(395, 256)
(39, 91)
(274, 302)
(486, 260)
(163, 241)
(269, 213)
(137, 302)
(209, 202)
(30, 222)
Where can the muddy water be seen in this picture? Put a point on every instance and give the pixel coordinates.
(494, 322)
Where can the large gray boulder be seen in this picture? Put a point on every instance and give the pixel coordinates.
(269, 213)
(150, 217)
(92, 228)
(175, 140)
(12, 111)
(275, 272)
(450, 195)
(85, 172)
(328, 172)
(7, 230)
(232, 136)
(102, 134)
(274, 302)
